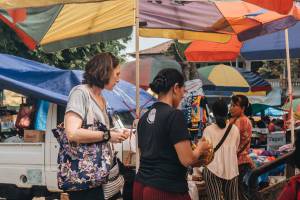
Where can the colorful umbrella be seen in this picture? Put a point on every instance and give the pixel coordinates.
(296, 105)
(12, 4)
(63, 26)
(227, 78)
(280, 6)
(273, 48)
(150, 66)
(206, 51)
(182, 20)
(267, 110)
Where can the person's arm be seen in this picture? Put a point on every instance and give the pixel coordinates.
(186, 155)
(179, 137)
(75, 133)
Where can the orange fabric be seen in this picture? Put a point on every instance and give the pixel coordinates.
(212, 51)
(234, 13)
(280, 6)
(18, 15)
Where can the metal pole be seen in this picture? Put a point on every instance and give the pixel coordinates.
(290, 91)
(137, 76)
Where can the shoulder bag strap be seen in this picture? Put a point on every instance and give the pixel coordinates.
(223, 138)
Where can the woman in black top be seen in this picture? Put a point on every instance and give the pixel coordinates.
(164, 143)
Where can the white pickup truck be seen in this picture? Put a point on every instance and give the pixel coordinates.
(29, 169)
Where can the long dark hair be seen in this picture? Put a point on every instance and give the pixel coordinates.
(165, 80)
(220, 111)
(243, 102)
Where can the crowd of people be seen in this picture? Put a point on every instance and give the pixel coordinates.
(163, 140)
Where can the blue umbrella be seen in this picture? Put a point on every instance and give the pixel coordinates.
(52, 84)
(272, 46)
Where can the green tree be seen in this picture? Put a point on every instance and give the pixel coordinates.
(189, 70)
(274, 69)
(73, 58)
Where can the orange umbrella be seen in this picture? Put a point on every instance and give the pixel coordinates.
(213, 51)
(280, 6)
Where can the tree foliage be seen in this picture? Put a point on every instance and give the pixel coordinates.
(276, 68)
(73, 58)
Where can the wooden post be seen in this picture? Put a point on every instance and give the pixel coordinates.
(137, 74)
(290, 90)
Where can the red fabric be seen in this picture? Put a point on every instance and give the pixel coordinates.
(280, 6)
(18, 15)
(245, 127)
(142, 192)
(205, 51)
(28, 41)
(261, 88)
(289, 191)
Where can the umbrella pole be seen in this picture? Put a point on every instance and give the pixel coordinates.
(290, 91)
(137, 77)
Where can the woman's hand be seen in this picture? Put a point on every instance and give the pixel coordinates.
(204, 146)
(118, 135)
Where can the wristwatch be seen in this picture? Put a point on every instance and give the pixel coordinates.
(106, 135)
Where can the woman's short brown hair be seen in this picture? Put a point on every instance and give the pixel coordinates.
(99, 69)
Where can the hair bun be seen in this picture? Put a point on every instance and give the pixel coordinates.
(158, 84)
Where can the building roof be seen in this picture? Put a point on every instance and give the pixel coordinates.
(156, 50)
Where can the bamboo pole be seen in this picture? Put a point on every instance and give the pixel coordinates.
(290, 90)
(137, 76)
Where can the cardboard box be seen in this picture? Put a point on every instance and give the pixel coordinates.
(34, 136)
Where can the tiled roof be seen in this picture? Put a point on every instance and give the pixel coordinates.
(158, 49)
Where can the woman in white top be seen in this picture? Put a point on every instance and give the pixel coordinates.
(221, 175)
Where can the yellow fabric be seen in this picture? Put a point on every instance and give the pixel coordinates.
(9, 4)
(259, 93)
(223, 75)
(184, 35)
(83, 19)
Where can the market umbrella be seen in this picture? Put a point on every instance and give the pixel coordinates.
(64, 26)
(185, 21)
(295, 108)
(227, 78)
(150, 66)
(267, 110)
(280, 6)
(12, 4)
(206, 51)
(52, 84)
(273, 48)
(296, 105)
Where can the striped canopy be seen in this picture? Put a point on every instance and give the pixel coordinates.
(210, 21)
(63, 26)
(227, 78)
